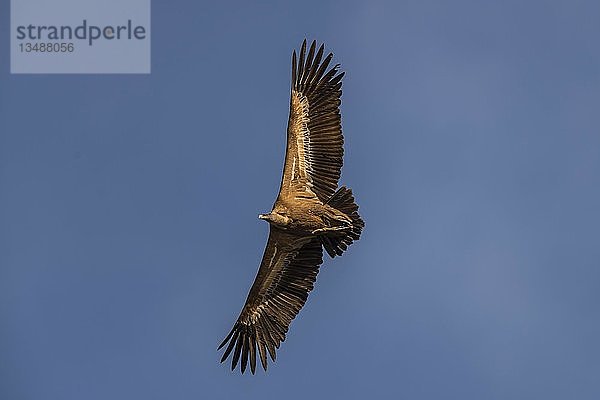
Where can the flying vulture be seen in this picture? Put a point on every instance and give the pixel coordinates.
(310, 213)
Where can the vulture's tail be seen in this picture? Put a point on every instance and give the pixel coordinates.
(336, 243)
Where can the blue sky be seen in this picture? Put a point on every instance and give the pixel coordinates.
(128, 204)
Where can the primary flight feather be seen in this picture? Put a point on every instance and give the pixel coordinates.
(310, 213)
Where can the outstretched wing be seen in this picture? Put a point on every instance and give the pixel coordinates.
(314, 152)
(286, 275)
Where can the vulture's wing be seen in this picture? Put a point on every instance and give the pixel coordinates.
(314, 151)
(287, 273)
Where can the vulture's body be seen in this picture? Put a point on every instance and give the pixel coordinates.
(310, 213)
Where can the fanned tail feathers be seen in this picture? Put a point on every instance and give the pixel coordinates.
(336, 243)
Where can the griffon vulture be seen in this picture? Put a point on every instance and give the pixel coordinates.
(310, 213)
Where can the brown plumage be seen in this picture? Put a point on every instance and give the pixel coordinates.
(309, 213)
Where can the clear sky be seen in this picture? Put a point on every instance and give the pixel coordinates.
(128, 207)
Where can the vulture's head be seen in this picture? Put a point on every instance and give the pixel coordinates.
(276, 218)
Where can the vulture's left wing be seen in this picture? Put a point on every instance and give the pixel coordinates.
(286, 275)
(314, 152)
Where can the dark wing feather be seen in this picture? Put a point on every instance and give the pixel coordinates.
(286, 275)
(314, 152)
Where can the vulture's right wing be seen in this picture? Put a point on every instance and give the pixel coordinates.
(286, 275)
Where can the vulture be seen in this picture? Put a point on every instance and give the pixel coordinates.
(309, 214)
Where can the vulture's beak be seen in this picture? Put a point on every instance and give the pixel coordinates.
(263, 216)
